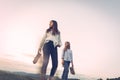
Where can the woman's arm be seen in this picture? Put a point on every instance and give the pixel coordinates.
(62, 61)
(72, 64)
(63, 54)
(72, 59)
(59, 41)
(39, 50)
(42, 42)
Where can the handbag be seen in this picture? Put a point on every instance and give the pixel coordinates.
(72, 71)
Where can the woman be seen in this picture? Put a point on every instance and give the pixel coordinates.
(67, 58)
(50, 41)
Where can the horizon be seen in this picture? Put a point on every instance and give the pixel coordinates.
(92, 27)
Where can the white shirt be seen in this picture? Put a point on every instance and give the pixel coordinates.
(67, 55)
(48, 36)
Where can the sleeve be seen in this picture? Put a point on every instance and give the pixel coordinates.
(43, 40)
(59, 40)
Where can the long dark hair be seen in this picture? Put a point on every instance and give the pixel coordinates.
(66, 46)
(54, 28)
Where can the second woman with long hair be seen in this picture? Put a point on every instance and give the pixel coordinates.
(67, 58)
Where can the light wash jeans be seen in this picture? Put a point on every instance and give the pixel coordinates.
(66, 70)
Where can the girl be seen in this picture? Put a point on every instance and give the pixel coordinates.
(67, 58)
(50, 41)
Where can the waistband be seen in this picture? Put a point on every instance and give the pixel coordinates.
(48, 41)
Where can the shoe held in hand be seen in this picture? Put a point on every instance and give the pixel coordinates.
(36, 58)
(72, 71)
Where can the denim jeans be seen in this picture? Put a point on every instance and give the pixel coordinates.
(66, 70)
(49, 50)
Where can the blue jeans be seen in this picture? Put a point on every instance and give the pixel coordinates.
(66, 70)
(49, 49)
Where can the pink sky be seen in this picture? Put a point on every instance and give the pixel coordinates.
(91, 27)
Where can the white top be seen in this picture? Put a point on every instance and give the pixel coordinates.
(48, 36)
(67, 55)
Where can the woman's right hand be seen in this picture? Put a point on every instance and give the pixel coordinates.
(39, 50)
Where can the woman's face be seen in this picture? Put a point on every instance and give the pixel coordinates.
(66, 44)
(51, 24)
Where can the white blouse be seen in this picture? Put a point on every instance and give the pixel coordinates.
(48, 36)
(67, 55)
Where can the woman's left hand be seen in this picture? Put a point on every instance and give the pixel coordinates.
(72, 64)
(62, 62)
(58, 45)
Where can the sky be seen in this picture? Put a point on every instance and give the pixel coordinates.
(91, 26)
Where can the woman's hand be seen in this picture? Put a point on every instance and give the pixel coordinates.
(39, 50)
(58, 46)
(62, 62)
